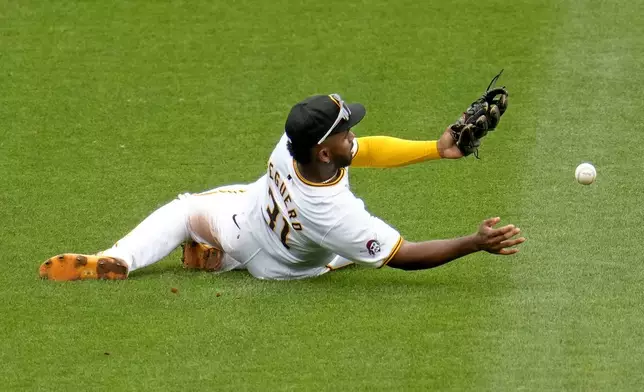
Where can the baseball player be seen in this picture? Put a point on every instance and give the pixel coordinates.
(300, 219)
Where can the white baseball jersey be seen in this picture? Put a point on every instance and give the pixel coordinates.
(305, 225)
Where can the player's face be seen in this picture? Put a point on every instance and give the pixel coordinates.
(339, 148)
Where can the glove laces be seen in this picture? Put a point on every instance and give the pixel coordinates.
(493, 82)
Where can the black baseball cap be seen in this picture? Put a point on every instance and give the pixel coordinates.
(310, 120)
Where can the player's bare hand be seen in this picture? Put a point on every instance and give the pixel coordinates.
(498, 240)
(447, 146)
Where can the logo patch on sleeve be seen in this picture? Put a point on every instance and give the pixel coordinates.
(373, 247)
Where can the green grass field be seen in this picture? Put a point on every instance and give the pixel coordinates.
(108, 110)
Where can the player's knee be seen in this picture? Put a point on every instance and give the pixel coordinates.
(201, 230)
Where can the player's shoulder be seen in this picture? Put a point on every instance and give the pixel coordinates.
(332, 205)
(282, 146)
(321, 214)
(280, 156)
(348, 202)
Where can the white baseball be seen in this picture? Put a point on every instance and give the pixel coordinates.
(585, 173)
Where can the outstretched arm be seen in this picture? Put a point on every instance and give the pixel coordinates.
(430, 254)
(385, 151)
(459, 139)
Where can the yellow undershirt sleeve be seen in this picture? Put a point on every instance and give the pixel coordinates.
(385, 151)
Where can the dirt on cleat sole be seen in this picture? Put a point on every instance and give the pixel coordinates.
(71, 266)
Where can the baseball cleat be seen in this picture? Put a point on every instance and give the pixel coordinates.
(71, 266)
(201, 257)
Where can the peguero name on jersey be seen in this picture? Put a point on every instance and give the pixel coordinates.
(273, 209)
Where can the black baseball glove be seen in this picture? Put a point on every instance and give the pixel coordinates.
(481, 116)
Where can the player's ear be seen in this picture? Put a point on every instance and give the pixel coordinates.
(324, 155)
